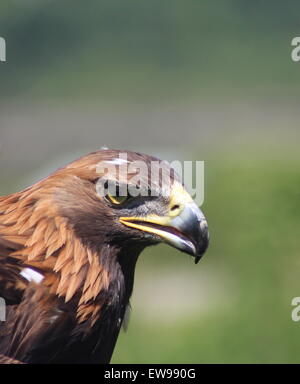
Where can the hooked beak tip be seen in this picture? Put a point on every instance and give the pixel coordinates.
(197, 259)
(188, 231)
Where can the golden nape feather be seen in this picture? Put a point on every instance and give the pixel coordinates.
(68, 255)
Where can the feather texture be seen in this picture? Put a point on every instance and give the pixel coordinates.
(63, 230)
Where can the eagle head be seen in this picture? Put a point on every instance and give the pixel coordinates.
(131, 200)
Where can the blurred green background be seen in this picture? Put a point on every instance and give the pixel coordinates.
(203, 80)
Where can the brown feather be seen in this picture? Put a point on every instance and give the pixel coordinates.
(56, 227)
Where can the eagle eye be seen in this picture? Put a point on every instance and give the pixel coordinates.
(118, 197)
(116, 200)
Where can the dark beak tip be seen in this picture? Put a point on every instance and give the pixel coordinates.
(202, 249)
(199, 256)
(197, 259)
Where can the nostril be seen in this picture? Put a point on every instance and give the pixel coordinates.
(175, 207)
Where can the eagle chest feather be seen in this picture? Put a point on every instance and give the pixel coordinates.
(80, 303)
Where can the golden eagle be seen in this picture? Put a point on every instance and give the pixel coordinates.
(68, 255)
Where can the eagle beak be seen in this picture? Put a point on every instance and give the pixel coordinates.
(185, 228)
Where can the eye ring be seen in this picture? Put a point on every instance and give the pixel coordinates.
(116, 200)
